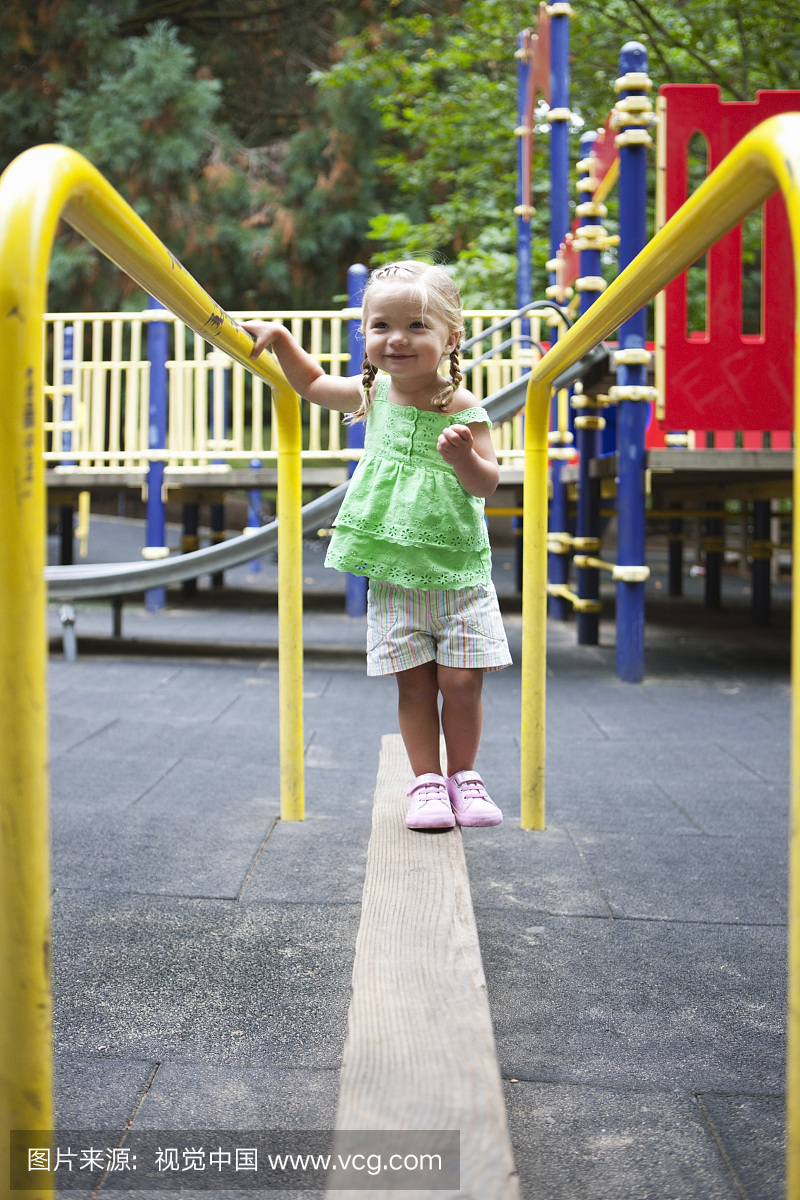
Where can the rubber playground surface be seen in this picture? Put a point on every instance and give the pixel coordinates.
(635, 951)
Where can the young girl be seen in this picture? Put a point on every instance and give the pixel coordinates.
(413, 522)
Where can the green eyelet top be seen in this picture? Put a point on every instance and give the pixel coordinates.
(406, 518)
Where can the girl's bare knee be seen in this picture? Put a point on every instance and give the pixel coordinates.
(460, 685)
(418, 684)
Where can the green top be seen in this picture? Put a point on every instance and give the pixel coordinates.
(406, 518)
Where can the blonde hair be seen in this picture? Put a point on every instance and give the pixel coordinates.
(437, 294)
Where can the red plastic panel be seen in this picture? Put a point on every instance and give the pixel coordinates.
(723, 379)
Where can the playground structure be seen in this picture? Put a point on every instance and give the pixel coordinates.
(641, 449)
(618, 446)
(765, 159)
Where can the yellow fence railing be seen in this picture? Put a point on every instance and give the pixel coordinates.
(36, 190)
(97, 401)
(766, 159)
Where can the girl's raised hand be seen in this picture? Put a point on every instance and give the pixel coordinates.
(263, 334)
(455, 443)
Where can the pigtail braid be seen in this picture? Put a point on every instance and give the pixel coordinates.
(455, 373)
(367, 379)
(444, 398)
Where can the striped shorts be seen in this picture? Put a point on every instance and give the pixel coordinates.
(459, 627)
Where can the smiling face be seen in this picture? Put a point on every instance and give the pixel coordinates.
(400, 339)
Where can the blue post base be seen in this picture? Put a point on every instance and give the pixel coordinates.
(356, 595)
(558, 564)
(630, 632)
(155, 599)
(156, 530)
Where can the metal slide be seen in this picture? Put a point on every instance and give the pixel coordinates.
(118, 579)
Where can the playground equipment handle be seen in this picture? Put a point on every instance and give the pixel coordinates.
(39, 187)
(767, 158)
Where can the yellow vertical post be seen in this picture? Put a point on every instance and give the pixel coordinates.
(25, 1016)
(534, 606)
(37, 189)
(290, 603)
(793, 967)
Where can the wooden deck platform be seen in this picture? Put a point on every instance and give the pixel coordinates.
(698, 475)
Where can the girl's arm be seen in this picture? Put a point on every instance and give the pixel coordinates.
(342, 393)
(470, 452)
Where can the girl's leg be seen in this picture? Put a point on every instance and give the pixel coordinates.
(462, 714)
(418, 715)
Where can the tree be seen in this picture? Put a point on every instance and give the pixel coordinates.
(443, 86)
(272, 142)
(138, 95)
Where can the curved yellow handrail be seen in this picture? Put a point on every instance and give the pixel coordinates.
(40, 187)
(766, 159)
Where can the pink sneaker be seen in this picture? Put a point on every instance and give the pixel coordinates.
(430, 807)
(470, 801)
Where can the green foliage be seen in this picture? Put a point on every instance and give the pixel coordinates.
(439, 84)
(270, 143)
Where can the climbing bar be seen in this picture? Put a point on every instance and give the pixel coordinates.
(632, 392)
(620, 574)
(591, 283)
(599, 401)
(590, 208)
(586, 606)
(633, 137)
(631, 357)
(698, 514)
(559, 543)
(591, 424)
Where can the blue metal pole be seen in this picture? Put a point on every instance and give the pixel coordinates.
(524, 283)
(254, 501)
(67, 514)
(68, 407)
(588, 424)
(559, 118)
(155, 520)
(633, 141)
(216, 512)
(524, 216)
(356, 585)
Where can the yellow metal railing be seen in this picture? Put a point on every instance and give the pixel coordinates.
(766, 159)
(97, 403)
(40, 187)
